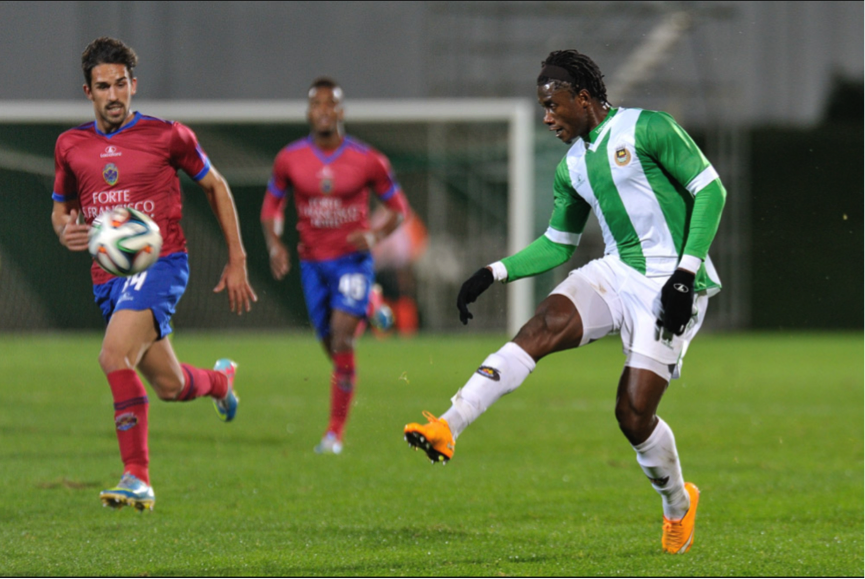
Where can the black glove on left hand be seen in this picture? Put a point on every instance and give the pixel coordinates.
(472, 288)
(677, 300)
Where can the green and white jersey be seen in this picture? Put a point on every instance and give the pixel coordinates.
(652, 190)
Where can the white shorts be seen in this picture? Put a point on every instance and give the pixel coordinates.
(612, 297)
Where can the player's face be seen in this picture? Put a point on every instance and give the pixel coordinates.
(325, 110)
(111, 89)
(565, 114)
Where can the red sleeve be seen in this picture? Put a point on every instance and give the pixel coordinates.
(65, 183)
(398, 203)
(273, 207)
(279, 180)
(186, 153)
(384, 184)
(275, 198)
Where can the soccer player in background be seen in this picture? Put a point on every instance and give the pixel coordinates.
(330, 175)
(125, 158)
(658, 201)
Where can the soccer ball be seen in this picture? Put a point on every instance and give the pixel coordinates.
(124, 241)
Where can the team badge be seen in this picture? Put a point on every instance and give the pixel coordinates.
(660, 482)
(325, 180)
(623, 156)
(111, 174)
(126, 421)
(490, 373)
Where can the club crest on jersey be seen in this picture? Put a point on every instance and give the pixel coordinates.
(126, 421)
(490, 373)
(111, 174)
(325, 180)
(623, 156)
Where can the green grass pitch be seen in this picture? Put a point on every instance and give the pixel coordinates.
(769, 426)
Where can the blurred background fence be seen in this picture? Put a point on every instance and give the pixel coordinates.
(772, 92)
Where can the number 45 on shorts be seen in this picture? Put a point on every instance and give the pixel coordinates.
(353, 286)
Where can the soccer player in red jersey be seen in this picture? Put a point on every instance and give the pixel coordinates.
(124, 158)
(331, 175)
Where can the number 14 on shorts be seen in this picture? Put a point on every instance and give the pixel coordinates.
(136, 281)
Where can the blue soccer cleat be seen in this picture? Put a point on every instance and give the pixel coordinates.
(226, 407)
(130, 491)
(382, 318)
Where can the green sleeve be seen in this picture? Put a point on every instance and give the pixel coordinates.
(705, 218)
(539, 256)
(570, 213)
(678, 154)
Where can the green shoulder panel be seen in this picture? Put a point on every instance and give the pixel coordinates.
(694, 223)
(660, 137)
(570, 211)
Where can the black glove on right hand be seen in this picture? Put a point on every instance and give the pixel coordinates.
(472, 288)
(677, 299)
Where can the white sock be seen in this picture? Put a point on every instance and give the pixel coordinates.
(658, 458)
(500, 374)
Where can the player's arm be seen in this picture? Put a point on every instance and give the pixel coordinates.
(677, 153)
(234, 277)
(388, 191)
(552, 249)
(186, 154)
(272, 223)
(395, 211)
(65, 220)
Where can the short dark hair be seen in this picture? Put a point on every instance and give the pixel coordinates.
(324, 82)
(581, 68)
(106, 50)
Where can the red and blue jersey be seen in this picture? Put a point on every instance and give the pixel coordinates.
(135, 166)
(331, 192)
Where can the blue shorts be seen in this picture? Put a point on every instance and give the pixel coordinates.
(336, 284)
(157, 289)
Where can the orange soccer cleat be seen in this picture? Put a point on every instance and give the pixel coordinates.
(434, 438)
(679, 535)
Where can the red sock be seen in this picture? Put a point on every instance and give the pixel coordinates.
(201, 382)
(341, 391)
(130, 419)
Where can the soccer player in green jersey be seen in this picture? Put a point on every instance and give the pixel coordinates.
(658, 201)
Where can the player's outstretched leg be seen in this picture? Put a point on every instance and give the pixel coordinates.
(434, 438)
(678, 536)
(226, 407)
(130, 491)
(501, 373)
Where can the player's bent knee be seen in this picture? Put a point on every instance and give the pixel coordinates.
(167, 387)
(635, 425)
(111, 360)
(555, 326)
(167, 394)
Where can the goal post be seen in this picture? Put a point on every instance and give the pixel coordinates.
(479, 152)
